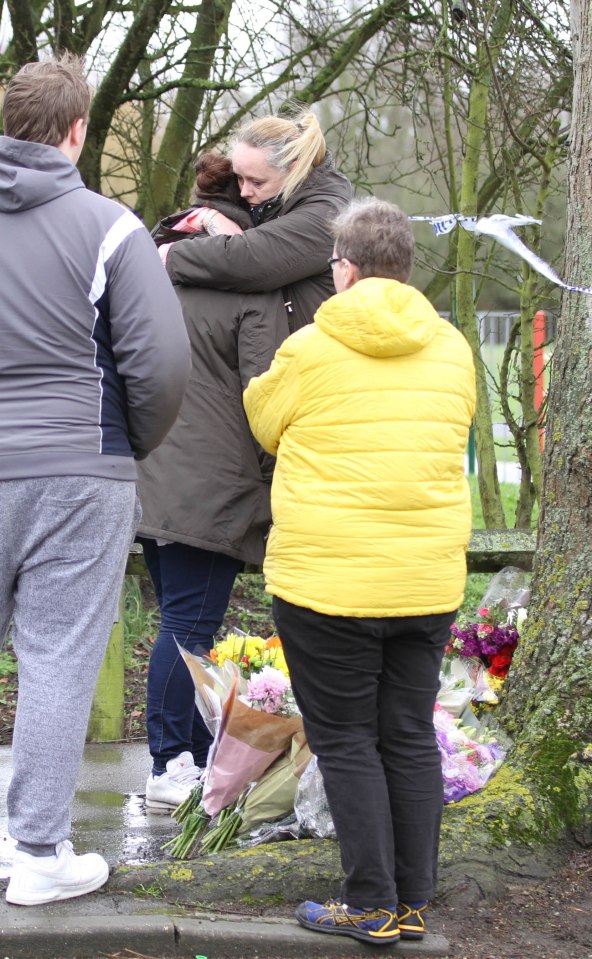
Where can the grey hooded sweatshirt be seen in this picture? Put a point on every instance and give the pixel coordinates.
(94, 356)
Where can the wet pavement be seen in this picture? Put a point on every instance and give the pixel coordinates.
(109, 815)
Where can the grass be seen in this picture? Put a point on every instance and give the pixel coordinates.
(509, 497)
(7, 662)
(140, 621)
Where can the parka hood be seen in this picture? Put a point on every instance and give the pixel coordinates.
(380, 317)
(32, 174)
(322, 178)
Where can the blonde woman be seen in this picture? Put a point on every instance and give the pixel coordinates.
(293, 190)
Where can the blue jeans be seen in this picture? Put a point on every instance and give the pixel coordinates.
(193, 589)
(366, 689)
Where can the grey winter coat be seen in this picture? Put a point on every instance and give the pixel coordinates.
(287, 252)
(208, 485)
(94, 355)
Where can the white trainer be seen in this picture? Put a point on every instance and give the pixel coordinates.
(39, 879)
(174, 786)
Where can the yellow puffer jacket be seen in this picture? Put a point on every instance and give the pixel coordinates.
(368, 411)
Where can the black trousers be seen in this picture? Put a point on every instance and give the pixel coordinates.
(366, 689)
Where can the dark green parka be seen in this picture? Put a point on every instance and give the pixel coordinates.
(208, 484)
(287, 252)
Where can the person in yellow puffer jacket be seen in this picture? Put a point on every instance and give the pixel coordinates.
(368, 411)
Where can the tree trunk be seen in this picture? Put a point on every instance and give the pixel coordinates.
(130, 54)
(177, 142)
(489, 491)
(23, 26)
(548, 704)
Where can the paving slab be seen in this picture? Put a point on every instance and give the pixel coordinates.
(109, 813)
(110, 817)
(39, 934)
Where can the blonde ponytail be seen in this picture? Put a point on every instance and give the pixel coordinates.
(294, 146)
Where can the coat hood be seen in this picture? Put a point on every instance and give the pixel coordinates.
(379, 317)
(323, 180)
(32, 174)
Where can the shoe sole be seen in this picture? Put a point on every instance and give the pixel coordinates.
(160, 804)
(352, 933)
(37, 899)
(415, 936)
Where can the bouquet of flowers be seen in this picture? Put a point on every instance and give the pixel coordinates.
(259, 756)
(244, 695)
(469, 756)
(250, 653)
(490, 640)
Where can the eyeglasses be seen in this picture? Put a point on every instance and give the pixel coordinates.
(334, 259)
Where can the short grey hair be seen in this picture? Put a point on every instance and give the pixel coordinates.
(377, 238)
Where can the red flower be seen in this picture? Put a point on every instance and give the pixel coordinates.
(499, 663)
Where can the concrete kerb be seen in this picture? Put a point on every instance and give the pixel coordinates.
(36, 934)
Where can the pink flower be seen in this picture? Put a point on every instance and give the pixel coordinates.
(483, 611)
(267, 690)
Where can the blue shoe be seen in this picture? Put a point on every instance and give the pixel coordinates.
(377, 926)
(411, 920)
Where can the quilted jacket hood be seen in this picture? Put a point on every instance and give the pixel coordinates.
(32, 174)
(369, 415)
(379, 317)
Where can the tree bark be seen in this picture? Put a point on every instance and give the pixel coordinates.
(548, 704)
(23, 29)
(489, 490)
(175, 148)
(107, 98)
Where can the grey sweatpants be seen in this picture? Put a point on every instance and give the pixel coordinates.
(63, 547)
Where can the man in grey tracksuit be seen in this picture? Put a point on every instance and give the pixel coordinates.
(94, 360)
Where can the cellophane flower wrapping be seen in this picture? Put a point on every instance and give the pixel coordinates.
(272, 796)
(311, 805)
(246, 743)
(244, 696)
(491, 635)
(469, 756)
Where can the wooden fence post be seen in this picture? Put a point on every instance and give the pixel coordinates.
(106, 722)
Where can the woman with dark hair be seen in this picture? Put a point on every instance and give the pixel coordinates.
(205, 492)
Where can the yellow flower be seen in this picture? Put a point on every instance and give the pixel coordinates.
(275, 657)
(238, 649)
(251, 653)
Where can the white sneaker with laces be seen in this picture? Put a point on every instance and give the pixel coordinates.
(38, 879)
(171, 788)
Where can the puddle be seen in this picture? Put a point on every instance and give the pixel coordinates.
(108, 815)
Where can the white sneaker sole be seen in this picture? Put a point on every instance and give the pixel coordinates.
(20, 897)
(162, 804)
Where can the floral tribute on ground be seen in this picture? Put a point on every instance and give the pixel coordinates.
(261, 782)
(479, 655)
(489, 640)
(243, 693)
